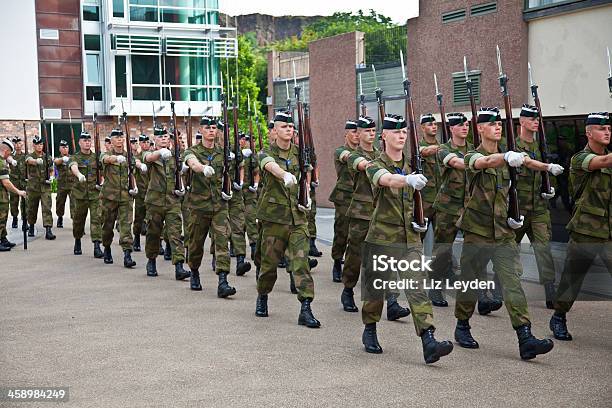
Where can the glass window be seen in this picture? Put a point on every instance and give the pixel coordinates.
(184, 16)
(91, 13)
(118, 8)
(144, 2)
(93, 68)
(145, 69)
(93, 93)
(92, 42)
(183, 3)
(143, 14)
(141, 93)
(546, 3)
(120, 76)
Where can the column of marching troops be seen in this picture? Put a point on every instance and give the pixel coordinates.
(464, 188)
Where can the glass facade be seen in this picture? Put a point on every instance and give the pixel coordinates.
(174, 11)
(536, 4)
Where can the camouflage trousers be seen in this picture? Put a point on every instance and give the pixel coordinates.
(44, 198)
(4, 211)
(14, 204)
(445, 232)
(276, 238)
(581, 252)
(237, 224)
(199, 224)
(312, 215)
(537, 227)
(166, 218)
(358, 229)
(504, 254)
(60, 202)
(250, 211)
(140, 214)
(341, 229)
(79, 216)
(111, 211)
(430, 213)
(420, 305)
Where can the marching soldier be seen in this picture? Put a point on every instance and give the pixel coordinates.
(142, 182)
(392, 226)
(208, 207)
(17, 177)
(163, 205)
(65, 181)
(284, 225)
(83, 166)
(341, 197)
(115, 199)
(250, 194)
(488, 235)
(429, 148)
(591, 224)
(39, 187)
(6, 149)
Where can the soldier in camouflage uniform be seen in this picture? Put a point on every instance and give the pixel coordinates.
(39, 187)
(591, 224)
(250, 193)
(86, 196)
(360, 212)
(65, 181)
(341, 197)
(208, 207)
(392, 226)
(142, 182)
(6, 149)
(429, 148)
(116, 199)
(488, 234)
(163, 202)
(284, 223)
(17, 177)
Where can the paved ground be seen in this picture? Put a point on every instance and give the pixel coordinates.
(118, 338)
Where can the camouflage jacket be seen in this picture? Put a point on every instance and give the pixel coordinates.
(431, 170)
(162, 179)
(392, 218)
(17, 173)
(142, 179)
(205, 192)
(279, 204)
(37, 175)
(87, 166)
(341, 194)
(591, 189)
(65, 178)
(362, 199)
(116, 185)
(4, 175)
(528, 181)
(486, 212)
(451, 197)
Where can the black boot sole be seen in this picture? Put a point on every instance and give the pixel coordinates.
(226, 293)
(108, 261)
(310, 325)
(243, 268)
(196, 288)
(541, 348)
(442, 349)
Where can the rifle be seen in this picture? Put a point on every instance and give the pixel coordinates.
(415, 159)
(289, 109)
(468, 84)
(25, 148)
(237, 153)
(72, 134)
(302, 155)
(226, 187)
(609, 71)
(542, 145)
(179, 190)
(131, 179)
(24, 220)
(310, 148)
(381, 105)
(259, 138)
(46, 151)
(442, 111)
(364, 109)
(251, 144)
(97, 147)
(189, 131)
(513, 203)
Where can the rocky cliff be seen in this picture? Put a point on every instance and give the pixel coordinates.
(269, 28)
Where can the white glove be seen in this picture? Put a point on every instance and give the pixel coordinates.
(514, 159)
(225, 196)
(515, 225)
(548, 196)
(232, 156)
(418, 228)
(40, 161)
(416, 181)
(247, 152)
(143, 167)
(165, 153)
(344, 155)
(120, 159)
(81, 177)
(184, 168)
(555, 169)
(314, 184)
(208, 170)
(12, 161)
(237, 186)
(134, 191)
(289, 179)
(308, 206)
(65, 159)
(50, 180)
(253, 188)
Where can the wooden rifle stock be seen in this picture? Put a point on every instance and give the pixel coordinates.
(131, 180)
(302, 155)
(513, 203)
(415, 163)
(310, 148)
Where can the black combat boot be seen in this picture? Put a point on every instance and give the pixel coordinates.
(306, 317)
(312, 263)
(252, 245)
(136, 244)
(127, 259)
(283, 262)
(7, 243)
(437, 298)
(48, 234)
(224, 289)
(242, 267)
(529, 346)
(15, 222)
(168, 252)
(558, 325)
(108, 256)
(394, 310)
(4, 248)
(463, 336)
(486, 304)
(337, 271)
(60, 222)
(261, 307)
(314, 251)
(31, 230)
(180, 273)
(292, 287)
(77, 247)
(348, 303)
(370, 340)
(97, 250)
(151, 267)
(550, 291)
(433, 349)
(194, 282)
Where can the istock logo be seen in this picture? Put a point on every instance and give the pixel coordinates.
(384, 263)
